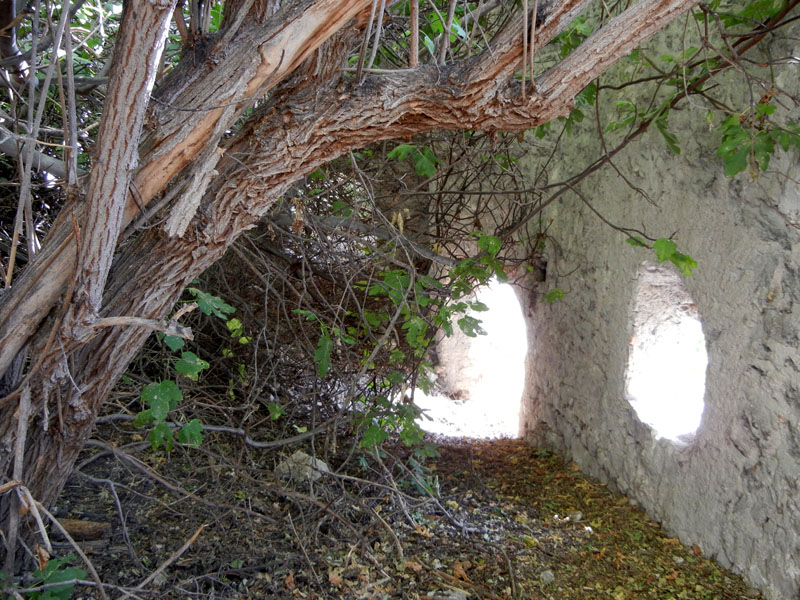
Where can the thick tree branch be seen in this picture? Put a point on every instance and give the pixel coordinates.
(141, 40)
(300, 132)
(255, 61)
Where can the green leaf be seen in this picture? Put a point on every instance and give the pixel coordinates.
(191, 434)
(318, 175)
(416, 328)
(672, 141)
(587, 96)
(394, 284)
(322, 355)
(190, 365)
(211, 305)
(763, 149)
(341, 209)
(54, 572)
(736, 163)
(371, 318)
(161, 435)
(471, 326)
(636, 241)
(401, 152)
(424, 162)
(766, 109)
(478, 306)
(428, 43)
(174, 342)
(459, 30)
(345, 337)
(275, 411)
(161, 397)
(235, 327)
(685, 263)
(664, 248)
(554, 295)
(373, 436)
(144, 418)
(310, 316)
(490, 244)
(542, 130)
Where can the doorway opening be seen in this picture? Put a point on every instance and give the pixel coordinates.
(667, 361)
(479, 380)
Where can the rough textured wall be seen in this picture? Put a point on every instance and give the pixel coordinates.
(735, 489)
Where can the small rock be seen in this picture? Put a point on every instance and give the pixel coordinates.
(160, 580)
(547, 576)
(301, 466)
(453, 595)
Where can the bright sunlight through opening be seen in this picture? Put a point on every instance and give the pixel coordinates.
(492, 368)
(667, 363)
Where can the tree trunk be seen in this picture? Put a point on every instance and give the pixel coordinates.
(49, 448)
(313, 117)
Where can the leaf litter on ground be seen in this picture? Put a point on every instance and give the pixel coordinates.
(509, 522)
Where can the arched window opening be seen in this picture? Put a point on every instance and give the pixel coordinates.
(667, 361)
(479, 380)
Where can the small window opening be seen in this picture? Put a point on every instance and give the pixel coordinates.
(479, 380)
(667, 360)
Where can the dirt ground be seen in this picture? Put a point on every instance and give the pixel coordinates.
(484, 520)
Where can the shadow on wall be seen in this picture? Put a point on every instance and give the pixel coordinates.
(479, 380)
(665, 382)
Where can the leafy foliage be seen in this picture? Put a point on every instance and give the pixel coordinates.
(667, 250)
(211, 305)
(190, 365)
(554, 295)
(191, 434)
(423, 159)
(322, 355)
(579, 29)
(165, 396)
(55, 571)
(750, 140)
(161, 398)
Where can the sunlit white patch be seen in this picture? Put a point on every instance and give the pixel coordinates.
(497, 367)
(668, 359)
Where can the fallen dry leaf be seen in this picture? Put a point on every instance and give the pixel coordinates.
(42, 556)
(335, 579)
(289, 581)
(460, 570)
(414, 566)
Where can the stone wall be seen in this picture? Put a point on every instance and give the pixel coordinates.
(734, 489)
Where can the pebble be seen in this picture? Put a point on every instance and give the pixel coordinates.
(547, 576)
(454, 595)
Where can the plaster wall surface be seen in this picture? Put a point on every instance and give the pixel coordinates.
(735, 489)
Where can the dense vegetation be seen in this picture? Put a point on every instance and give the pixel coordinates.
(354, 169)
